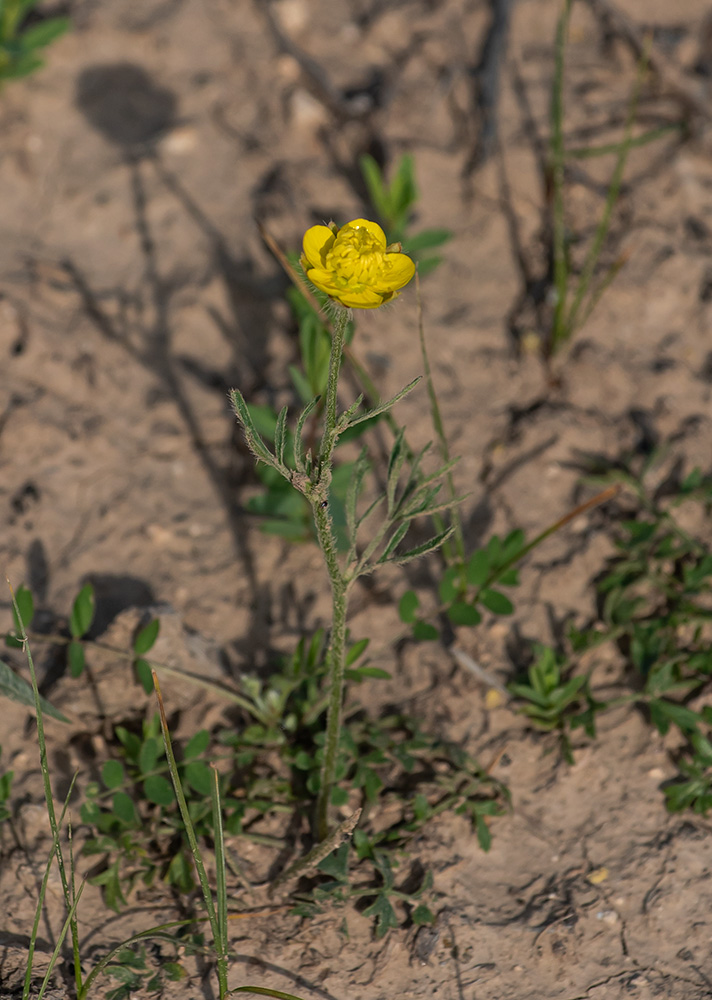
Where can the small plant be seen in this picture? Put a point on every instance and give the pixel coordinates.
(470, 584)
(356, 268)
(21, 42)
(395, 204)
(134, 812)
(655, 599)
(555, 702)
(127, 961)
(387, 763)
(75, 644)
(283, 511)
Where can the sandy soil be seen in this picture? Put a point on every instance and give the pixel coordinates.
(135, 290)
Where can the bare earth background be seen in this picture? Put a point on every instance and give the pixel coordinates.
(135, 290)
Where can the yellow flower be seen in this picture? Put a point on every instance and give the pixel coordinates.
(353, 264)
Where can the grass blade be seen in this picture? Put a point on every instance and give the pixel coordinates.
(44, 767)
(192, 840)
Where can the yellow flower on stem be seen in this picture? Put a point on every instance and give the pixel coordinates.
(354, 266)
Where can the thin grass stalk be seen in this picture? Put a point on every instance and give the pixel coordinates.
(69, 922)
(608, 494)
(264, 991)
(443, 446)
(561, 269)
(159, 932)
(611, 199)
(221, 884)
(41, 898)
(44, 767)
(192, 840)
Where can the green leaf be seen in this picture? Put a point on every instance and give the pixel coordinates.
(144, 674)
(280, 435)
(359, 674)
(383, 913)
(265, 991)
(513, 544)
(158, 790)
(356, 651)
(461, 613)
(197, 745)
(112, 774)
(82, 611)
(424, 632)
(484, 837)
(246, 416)
(148, 757)
(299, 457)
(394, 541)
(43, 33)
(26, 605)
(496, 602)
(336, 864)
(180, 873)
(422, 550)
(16, 689)
(428, 264)
(426, 239)
(373, 177)
(353, 421)
(478, 568)
(422, 915)
(450, 584)
(75, 657)
(123, 808)
(146, 637)
(403, 191)
(199, 776)
(663, 712)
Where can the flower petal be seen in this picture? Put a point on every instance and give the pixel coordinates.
(324, 280)
(367, 299)
(371, 227)
(400, 270)
(317, 241)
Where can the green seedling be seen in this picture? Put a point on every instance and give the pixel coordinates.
(133, 810)
(20, 41)
(654, 598)
(395, 203)
(75, 645)
(555, 701)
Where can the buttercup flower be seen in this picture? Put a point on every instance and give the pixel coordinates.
(354, 265)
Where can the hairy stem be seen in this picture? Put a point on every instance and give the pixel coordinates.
(336, 655)
(337, 349)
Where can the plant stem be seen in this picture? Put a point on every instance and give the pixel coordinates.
(336, 655)
(329, 439)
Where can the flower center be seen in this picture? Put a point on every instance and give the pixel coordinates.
(356, 256)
